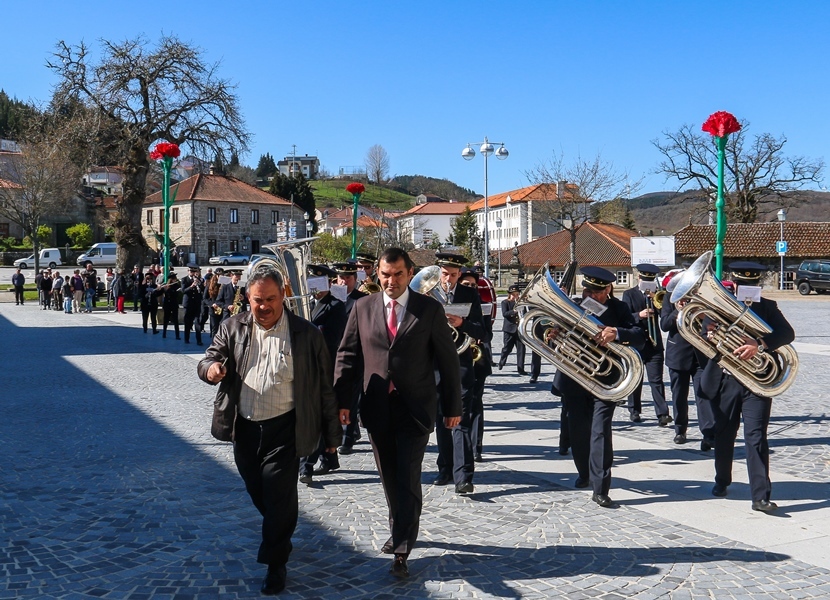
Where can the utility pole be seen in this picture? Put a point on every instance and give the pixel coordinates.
(293, 160)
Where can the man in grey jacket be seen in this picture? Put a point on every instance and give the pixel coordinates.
(273, 410)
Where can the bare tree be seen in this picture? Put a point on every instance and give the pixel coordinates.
(166, 92)
(573, 186)
(39, 181)
(759, 178)
(377, 163)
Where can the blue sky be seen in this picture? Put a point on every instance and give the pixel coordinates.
(423, 78)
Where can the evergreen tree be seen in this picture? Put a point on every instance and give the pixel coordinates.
(234, 161)
(266, 166)
(464, 234)
(294, 188)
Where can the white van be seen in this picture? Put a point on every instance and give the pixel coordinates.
(49, 257)
(99, 255)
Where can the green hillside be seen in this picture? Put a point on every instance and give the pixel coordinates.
(332, 192)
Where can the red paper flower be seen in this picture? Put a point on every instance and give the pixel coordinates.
(165, 150)
(355, 188)
(721, 124)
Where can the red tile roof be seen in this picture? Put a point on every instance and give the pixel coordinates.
(756, 240)
(539, 191)
(599, 244)
(438, 208)
(218, 188)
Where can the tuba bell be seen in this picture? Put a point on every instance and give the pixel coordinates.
(428, 282)
(609, 372)
(291, 259)
(767, 374)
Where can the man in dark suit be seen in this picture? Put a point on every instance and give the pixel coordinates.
(170, 304)
(230, 294)
(456, 461)
(510, 331)
(681, 360)
(589, 418)
(731, 399)
(193, 287)
(638, 301)
(392, 342)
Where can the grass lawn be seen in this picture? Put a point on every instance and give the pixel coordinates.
(333, 192)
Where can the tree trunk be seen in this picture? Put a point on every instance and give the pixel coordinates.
(132, 247)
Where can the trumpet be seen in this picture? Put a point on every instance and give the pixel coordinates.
(428, 282)
(367, 286)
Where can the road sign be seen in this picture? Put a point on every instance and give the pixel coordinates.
(781, 247)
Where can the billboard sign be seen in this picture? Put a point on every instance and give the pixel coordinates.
(656, 250)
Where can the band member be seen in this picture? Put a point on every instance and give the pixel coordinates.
(232, 298)
(329, 316)
(731, 399)
(681, 360)
(347, 276)
(210, 303)
(456, 460)
(482, 368)
(589, 418)
(170, 304)
(193, 287)
(366, 263)
(510, 331)
(393, 342)
(641, 305)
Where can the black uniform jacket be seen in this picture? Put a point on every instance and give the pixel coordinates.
(636, 301)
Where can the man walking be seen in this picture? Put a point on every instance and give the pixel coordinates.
(393, 340)
(510, 329)
(18, 281)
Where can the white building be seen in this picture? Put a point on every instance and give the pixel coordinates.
(423, 223)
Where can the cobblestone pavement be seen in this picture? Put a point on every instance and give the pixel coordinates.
(113, 488)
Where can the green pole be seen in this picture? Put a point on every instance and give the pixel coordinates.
(355, 200)
(720, 227)
(167, 164)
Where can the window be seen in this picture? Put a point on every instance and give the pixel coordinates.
(622, 278)
(175, 215)
(234, 246)
(275, 217)
(557, 276)
(211, 215)
(234, 215)
(161, 220)
(212, 248)
(149, 217)
(254, 216)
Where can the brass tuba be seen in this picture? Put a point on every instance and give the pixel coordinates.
(291, 259)
(768, 373)
(428, 282)
(609, 372)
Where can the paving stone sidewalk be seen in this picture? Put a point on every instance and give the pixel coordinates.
(112, 487)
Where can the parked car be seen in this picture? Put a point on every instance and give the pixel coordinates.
(49, 257)
(229, 258)
(813, 275)
(99, 255)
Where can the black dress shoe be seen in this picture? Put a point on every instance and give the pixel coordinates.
(720, 491)
(522, 372)
(602, 500)
(306, 478)
(581, 483)
(388, 547)
(325, 469)
(346, 449)
(274, 581)
(399, 567)
(680, 438)
(664, 420)
(501, 366)
(635, 417)
(465, 488)
(442, 479)
(707, 444)
(477, 457)
(533, 380)
(764, 506)
(563, 450)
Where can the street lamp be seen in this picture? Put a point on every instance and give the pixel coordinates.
(486, 150)
(782, 216)
(498, 226)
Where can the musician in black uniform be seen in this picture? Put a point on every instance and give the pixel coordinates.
(681, 360)
(510, 330)
(456, 460)
(193, 287)
(170, 304)
(482, 368)
(329, 316)
(642, 310)
(731, 399)
(589, 418)
(230, 294)
(347, 276)
(366, 263)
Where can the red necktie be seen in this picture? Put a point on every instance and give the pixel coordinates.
(392, 323)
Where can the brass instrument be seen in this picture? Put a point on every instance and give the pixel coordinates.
(217, 310)
(428, 282)
(477, 352)
(367, 286)
(237, 302)
(609, 373)
(654, 302)
(291, 260)
(707, 301)
(658, 299)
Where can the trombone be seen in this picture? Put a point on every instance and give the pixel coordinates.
(654, 303)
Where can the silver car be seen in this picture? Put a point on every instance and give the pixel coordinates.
(229, 258)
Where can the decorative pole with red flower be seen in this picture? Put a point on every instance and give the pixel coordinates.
(355, 189)
(720, 125)
(166, 152)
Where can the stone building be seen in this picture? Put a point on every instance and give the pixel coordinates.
(217, 213)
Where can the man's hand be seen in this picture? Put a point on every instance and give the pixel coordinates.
(216, 372)
(450, 422)
(552, 333)
(748, 350)
(606, 336)
(344, 416)
(455, 321)
(645, 313)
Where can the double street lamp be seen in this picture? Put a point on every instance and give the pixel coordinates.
(782, 216)
(486, 148)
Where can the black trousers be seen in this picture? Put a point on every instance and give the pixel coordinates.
(191, 321)
(352, 431)
(399, 454)
(330, 460)
(455, 446)
(735, 401)
(510, 340)
(171, 315)
(589, 424)
(535, 364)
(151, 312)
(477, 426)
(680, 381)
(18, 294)
(653, 362)
(266, 459)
